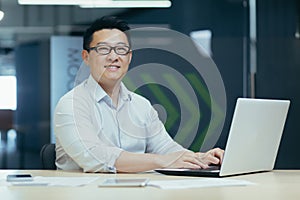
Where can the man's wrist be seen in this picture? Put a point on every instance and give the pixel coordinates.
(158, 161)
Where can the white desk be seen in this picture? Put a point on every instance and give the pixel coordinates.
(276, 185)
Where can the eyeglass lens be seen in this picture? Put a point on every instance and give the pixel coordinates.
(120, 50)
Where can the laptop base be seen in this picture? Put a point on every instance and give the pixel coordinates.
(190, 172)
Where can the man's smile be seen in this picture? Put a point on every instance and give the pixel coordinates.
(111, 66)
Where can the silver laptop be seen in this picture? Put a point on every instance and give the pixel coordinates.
(253, 140)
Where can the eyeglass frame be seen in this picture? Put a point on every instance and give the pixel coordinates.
(111, 48)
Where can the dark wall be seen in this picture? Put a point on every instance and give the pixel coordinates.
(279, 68)
(33, 97)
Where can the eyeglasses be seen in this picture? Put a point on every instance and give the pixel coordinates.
(105, 49)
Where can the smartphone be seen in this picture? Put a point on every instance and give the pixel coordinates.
(19, 177)
(122, 182)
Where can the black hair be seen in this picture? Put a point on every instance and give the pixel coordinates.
(106, 22)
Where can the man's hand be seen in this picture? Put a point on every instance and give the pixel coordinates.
(188, 159)
(213, 156)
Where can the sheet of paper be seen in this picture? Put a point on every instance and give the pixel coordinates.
(197, 183)
(65, 181)
(52, 181)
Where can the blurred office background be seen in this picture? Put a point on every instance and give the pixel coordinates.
(254, 43)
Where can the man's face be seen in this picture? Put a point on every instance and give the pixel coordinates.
(110, 68)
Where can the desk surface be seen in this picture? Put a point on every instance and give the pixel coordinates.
(280, 184)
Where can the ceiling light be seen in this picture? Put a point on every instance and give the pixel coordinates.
(128, 4)
(57, 2)
(1, 15)
(102, 3)
(1, 12)
(52, 2)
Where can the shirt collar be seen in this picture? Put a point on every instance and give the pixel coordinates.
(125, 94)
(95, 90)
(99, 94)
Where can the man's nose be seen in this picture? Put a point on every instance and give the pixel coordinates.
(112, 55)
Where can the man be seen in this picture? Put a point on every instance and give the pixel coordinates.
(100, 126)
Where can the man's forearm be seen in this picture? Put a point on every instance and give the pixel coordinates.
(133, 162)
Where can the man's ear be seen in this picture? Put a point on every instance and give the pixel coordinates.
(130, 56)
(85, 56)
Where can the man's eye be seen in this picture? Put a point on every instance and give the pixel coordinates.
(122, 49)
(103, 49)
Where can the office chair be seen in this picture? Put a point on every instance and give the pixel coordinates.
(48, 156)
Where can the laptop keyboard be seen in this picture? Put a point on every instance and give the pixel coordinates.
(210, 168)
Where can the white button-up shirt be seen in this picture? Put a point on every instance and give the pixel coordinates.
(91, 132)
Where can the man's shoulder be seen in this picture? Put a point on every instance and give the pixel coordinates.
(139, 98)
(79, 90)
(78, 93)
(133, 97)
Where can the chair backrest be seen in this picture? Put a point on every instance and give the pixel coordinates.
(48, 156)
(6, 119)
